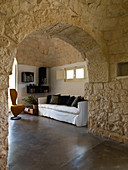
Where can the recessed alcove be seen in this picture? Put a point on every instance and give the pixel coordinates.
(122, 70)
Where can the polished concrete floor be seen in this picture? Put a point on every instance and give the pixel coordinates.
(38, 143)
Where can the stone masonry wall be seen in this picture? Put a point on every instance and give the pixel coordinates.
(107, 22)
(108, 109)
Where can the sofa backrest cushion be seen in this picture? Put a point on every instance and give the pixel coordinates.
(48, 98)
(76, 100)
(62, 100)
(70, 101)
(54, 99)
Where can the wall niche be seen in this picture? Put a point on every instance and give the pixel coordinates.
(122, 69)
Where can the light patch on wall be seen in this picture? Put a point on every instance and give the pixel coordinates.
(60, 74)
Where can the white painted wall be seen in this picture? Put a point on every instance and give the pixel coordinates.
(62, 87)
(22, 87)
(56, 86)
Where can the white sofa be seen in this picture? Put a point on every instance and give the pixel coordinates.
(77, 116)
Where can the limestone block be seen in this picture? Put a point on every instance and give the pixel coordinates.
(105, 105)
(98, 72)
(125, 84)
(125, 118)
(9, 8)
(3, 129)
(116, 2)
(75, 6)
(106, 95)
(93, 105)
(124, 23)
(118, 85)
(6, 60)
(94, 97)
(95, 54)
(4, 42)
(102, 116)
(97, 87)
(122, 92)
(88, 89)
(108, 24)
(115, 98)
(92, 114)
(126, 129)
(120, 107)
(124, 98)
(117, 48)
(125, 4)
(27, 5)
(115, 11)
(116, 137)
(4, 81)
(112, 85)
(116, 127)
(113, 118)
(2, 21)
(19, 26)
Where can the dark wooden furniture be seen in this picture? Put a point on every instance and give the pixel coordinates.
(37, 89)
(31, 111)
(42, 76)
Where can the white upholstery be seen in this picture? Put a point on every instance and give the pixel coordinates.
(77, 116)
(62, 108)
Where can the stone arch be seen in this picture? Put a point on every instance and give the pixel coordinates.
(21, 18)
(83, 42)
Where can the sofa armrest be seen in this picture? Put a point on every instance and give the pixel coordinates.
(83, 115)
(42, 100)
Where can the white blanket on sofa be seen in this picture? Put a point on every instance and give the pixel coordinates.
(62, 108)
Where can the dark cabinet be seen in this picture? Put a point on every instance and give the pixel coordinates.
(37, 89)
(42, 75)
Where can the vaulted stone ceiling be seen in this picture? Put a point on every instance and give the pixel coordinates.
(55, 45)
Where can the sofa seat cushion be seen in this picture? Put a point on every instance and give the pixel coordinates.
(61, 108)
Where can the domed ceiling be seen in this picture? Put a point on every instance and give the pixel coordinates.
(55, 45)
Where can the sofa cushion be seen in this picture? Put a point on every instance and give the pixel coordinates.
(62, 100)
(70, 100)
(54, 99)
(75, 102)
(67, 109)
(48, 99)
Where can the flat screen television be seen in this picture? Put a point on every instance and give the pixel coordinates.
(27, 77)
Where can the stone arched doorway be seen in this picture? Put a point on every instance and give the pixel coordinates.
(61, 31)
(100, 20)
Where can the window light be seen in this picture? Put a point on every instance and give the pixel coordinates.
(80, 73)
(70, 74)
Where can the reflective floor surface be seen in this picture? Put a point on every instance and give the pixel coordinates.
(38, 143)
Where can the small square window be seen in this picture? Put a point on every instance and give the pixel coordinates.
(80, 73)
(70, 74)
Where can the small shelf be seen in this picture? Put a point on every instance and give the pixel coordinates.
(37, 89)
(27, 77)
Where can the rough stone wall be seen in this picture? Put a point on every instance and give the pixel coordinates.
(108, 109)
(106, 21)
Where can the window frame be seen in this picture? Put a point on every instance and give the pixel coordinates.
(75, 68)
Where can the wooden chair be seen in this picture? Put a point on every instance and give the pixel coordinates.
(15, 108)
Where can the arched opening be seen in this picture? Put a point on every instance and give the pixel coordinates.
(77, 40)
(42, 48)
